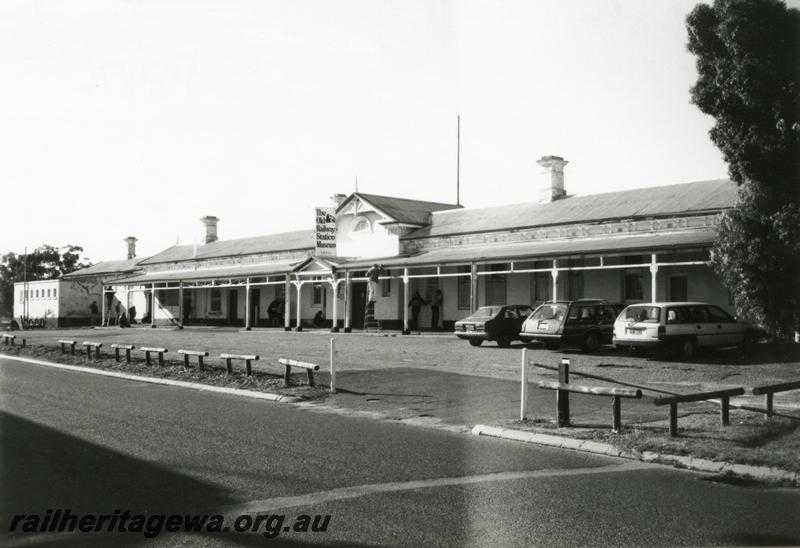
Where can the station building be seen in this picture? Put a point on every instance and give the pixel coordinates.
(67, 301)
(630, 246)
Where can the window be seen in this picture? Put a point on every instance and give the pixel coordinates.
(48, 293)
(55, 293)
(496, 286)
(215, 304)
(386, 287)
(574, 285)
(716, 314)
(21, 295)
(464, 288)
(633, 287)
(431, 285)
(541, 287)
(318, 294)
(167, 297)
(679, 288)
(361, 224)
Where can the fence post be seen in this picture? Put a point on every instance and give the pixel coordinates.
(523, 393)
(562, 396)
(333, 367)
(616, 411)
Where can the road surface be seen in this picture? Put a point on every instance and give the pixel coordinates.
(97, 445)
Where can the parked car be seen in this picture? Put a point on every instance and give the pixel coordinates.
(493, 323)
(680, 326)
(586, 322)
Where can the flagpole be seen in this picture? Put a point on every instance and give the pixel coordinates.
(25, 283)
(458, 162)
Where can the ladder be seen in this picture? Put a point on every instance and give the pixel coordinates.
(369, 318)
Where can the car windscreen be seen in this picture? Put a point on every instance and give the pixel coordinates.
(551, 311)
(486, 312)
(642, 313)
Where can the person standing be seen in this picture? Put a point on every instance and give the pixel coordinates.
(373, 276)
(415, 304)
(436, 307)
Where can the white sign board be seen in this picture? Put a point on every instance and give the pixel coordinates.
(325, 232)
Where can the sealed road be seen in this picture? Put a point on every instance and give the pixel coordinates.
(96, 445)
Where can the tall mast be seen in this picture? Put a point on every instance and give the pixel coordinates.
(458, 162)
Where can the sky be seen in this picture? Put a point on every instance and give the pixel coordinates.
(137, 117)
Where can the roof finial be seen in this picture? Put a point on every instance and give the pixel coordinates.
(356, 183)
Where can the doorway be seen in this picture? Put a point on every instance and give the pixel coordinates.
(233, 306)
(359, 303)
(255, 306)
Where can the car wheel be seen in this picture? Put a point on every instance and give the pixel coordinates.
(475, 342)
(688, 348)
(550, 345)
(592, 342)
(503, 342)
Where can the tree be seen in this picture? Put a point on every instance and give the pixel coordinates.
(44, 263)
(748, 64)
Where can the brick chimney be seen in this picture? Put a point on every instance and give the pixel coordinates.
(131, 241)
(552, 185)
(211, 228)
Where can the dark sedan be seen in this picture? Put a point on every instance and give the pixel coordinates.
(493, 323)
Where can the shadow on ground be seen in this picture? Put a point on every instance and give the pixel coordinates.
(44, 469)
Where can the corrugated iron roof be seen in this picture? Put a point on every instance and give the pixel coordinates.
(105, 267)
(222, 272)
(658, 201)
(538, 249)
(402, 209)
(286, 241)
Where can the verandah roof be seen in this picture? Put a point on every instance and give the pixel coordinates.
(222, 272)
(612, 244)
(628, 243)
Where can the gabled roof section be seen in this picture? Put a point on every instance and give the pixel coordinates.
(401, 210)
(287, 241)
(105, 268)
(315, 263)
(661, 201)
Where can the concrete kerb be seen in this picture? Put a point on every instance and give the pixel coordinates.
(269, 396)
(761, 473)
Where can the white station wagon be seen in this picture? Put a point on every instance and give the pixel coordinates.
(679, 326)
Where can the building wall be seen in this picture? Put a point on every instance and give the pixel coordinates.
(43, 299)
(59, 302)
(374, 241)
(75, 300)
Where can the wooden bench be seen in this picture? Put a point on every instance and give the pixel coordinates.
(64, 343)
(159, 351)
(8, 339)
(616, 395)
(246, 357)
(89, 345)
(199, 353)
(769, 390)
(126, 347)
(673, 401)
(309, 367)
